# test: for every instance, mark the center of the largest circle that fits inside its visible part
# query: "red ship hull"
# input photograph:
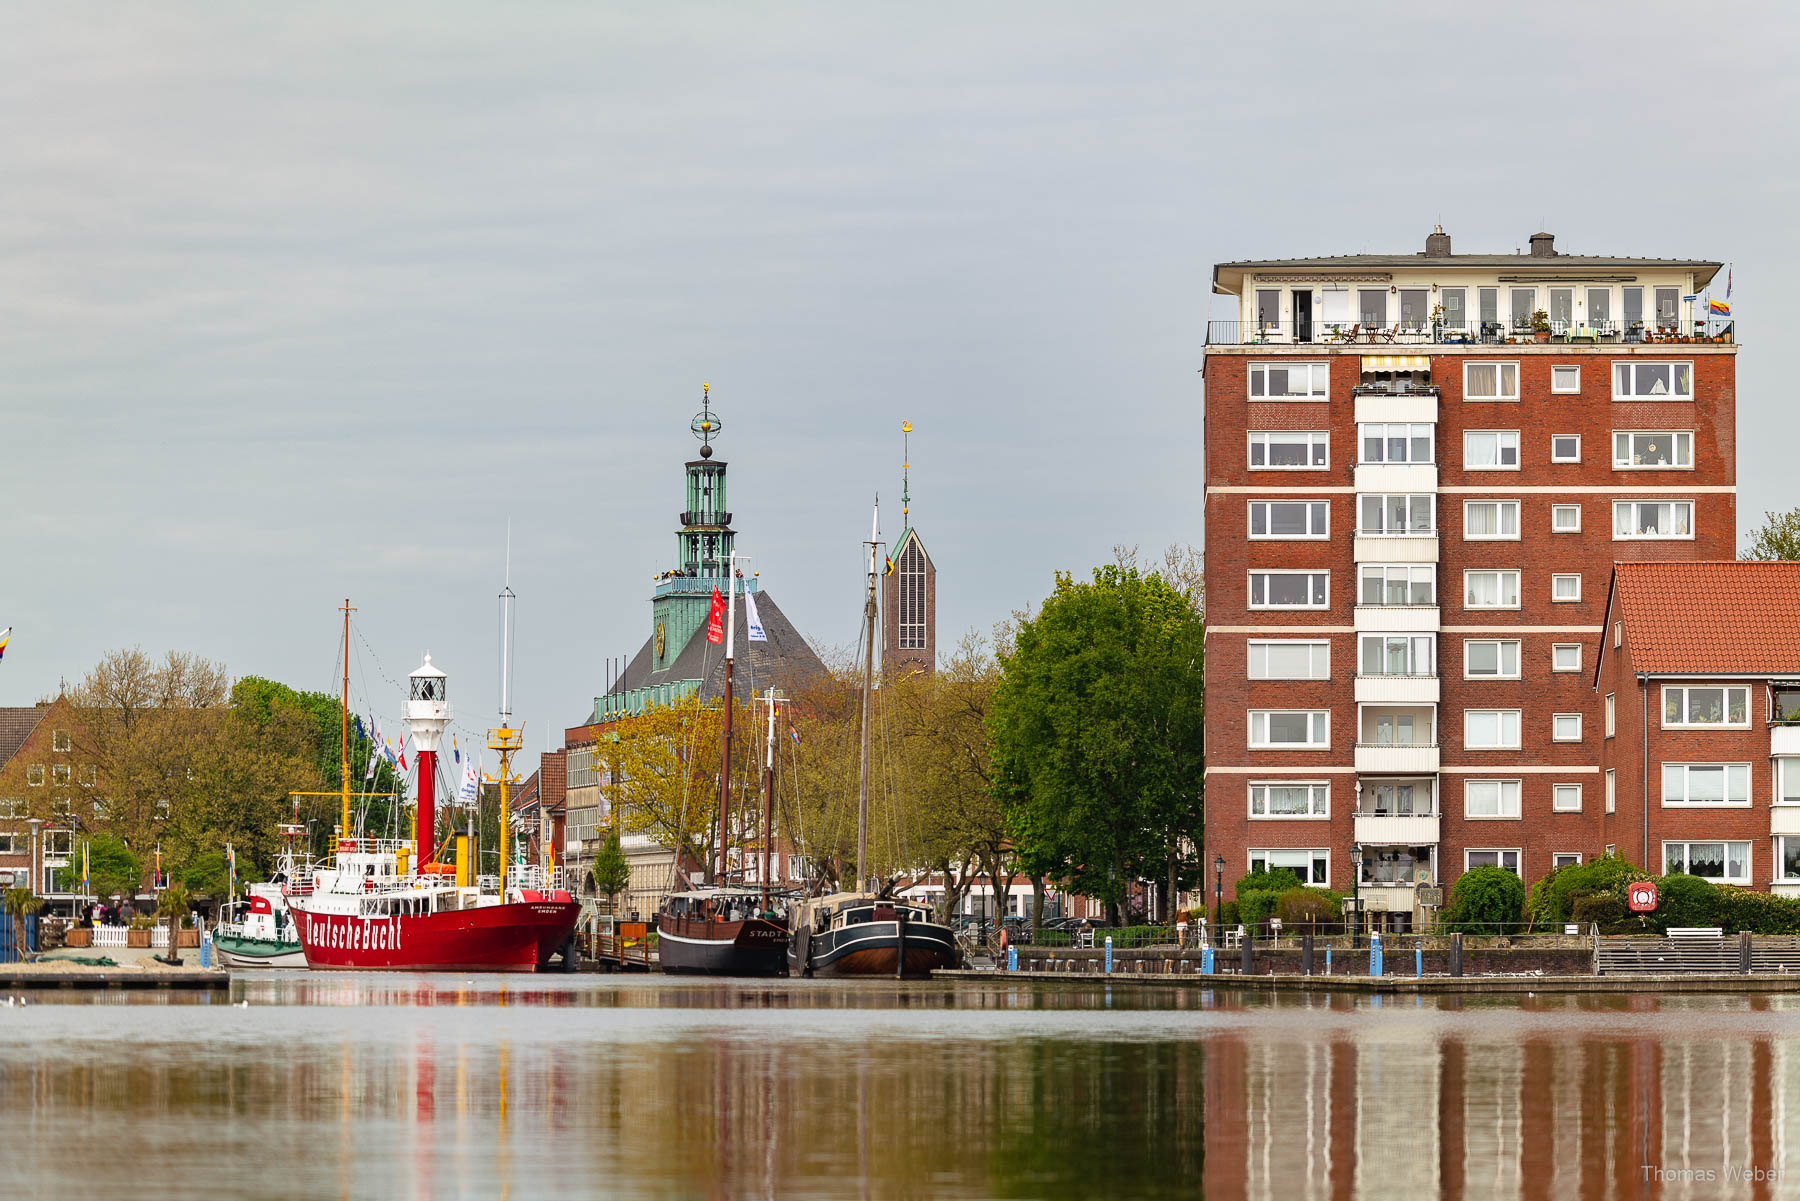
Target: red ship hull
(521, 936)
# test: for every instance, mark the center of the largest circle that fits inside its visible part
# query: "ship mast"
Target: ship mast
(507, 739)
(768, 823)
(725, 728)
(344, 743)
(862, 786)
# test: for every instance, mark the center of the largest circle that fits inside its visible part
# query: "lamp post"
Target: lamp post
(1218, 898)
(1355, 896)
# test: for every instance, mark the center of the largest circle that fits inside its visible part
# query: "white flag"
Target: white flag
(752, 620)
(471, 784)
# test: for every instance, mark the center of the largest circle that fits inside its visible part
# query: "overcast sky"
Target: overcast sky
(305, 302)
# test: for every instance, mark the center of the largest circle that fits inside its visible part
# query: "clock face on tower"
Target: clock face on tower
(662, 640)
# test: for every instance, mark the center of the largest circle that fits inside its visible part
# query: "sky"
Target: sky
(300, 303)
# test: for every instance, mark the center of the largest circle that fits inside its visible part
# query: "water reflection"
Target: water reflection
(399, 1086)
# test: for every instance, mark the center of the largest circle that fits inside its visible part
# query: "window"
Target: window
(1289, 589)
(1289, 729)
(1565, 727)
(1398, 584)
(1491, 729)
(1652, 448)
(1268, 308)
(1290, 798)
(1565, 656)
(1413, 310)
(59, 774)
(1371, 306)
(1397, 798)
(1490, 519)
(1618, 634)
(1599, 308)
(1565, 519)
(90, 775)
(1395, 442)
(1456, 308)
(1565, 798)
(1288, 519)
(1491, 450)
(1565, 380)
(1717, 706)
(1398, 513)
(1612, 795)
(1399, 655)
(1634, 306)
(1564, 588)
(1638, 380)
(1706, 784)
(14, 807)
(1491, 658)
(913, 619)
(1489, 299)
(1565, 448)
(1490, 590)
(10, 845)
(34, 775)
(1398, 727)
(1611, 725)
(1290, 660)
(1787, 859)
(1524, 303)
(1506, 858)
(1309, 866)
(1787, 782)
(1562, 308)
(1562, 859)
(1290, 450)
(1652, 519)
(1490, 381)
(1668, 308)
(1726, 862)
(59, 740)
(1289, 381)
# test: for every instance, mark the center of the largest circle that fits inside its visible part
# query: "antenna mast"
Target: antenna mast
(862, 787)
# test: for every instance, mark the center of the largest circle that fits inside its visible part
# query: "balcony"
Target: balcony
(690, 585)
(1784, 819)
(1397, 830)
(705, 517)
(1348, 335)
(1419, 759)
(1396, 477)
(1396, 619)
(1415, 546)
(1394, 689)
(1784, 740)
(1377, 403)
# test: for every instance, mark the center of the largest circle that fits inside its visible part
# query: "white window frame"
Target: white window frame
(1318, 800)
(1517, 592)
(1684, 689)
(1415, 657)
(1684, 799)
(1558, 511)
(1782, 767)
(61, 774)
(1687, 855)
(1634, 366)
(34, 775)
(1559, 794)
(1362, 442)
(1556, 458)
(1268, 854)
(1499, 449)
(1383, 498)
(1562, 577)
(1518, 654)
(1612, 794)
(1250, 589)
(1781, 875)
(59, 740)
(1557, 723)
(1555, 390)
(1500, 506)
(1500, 373)
(1517, 722)
(1312, 439)
(1313, 726)
(1618, 634)
(1310, 504)
(1674, 521)
(1560, 859)
(1409, 569)
(1565, 646)
(1677, 439)
(1518, 859)
(1612, 717)
(1318, 657)
(1259, 372)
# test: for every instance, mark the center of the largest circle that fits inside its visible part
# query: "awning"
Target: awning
(1396, 362)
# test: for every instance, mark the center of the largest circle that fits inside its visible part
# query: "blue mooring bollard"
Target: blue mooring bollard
(1109, 954)
(206, 949)
(1418, 961)
(1375, 955)
(1328, 961)
(1206, 961)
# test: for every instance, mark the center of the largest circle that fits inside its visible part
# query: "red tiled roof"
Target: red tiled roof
(1729, 618)
(16, 725)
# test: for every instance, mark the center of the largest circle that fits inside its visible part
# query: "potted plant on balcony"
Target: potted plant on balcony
(1540, 326)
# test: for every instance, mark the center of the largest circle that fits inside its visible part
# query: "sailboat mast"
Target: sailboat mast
(344, 742)
(768, 824)
(725, 727)
(862, 786)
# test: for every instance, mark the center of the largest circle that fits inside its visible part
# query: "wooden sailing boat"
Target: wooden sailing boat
(866, 932)
(722, 930)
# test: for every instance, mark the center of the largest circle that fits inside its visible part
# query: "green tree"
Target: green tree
(175, 904)
(1779, 537)
(612, 874)
(1097, 732)
(21, 903)
(1485, 900)
(111, 868)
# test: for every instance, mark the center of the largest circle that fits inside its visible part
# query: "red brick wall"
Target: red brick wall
(1538, 554)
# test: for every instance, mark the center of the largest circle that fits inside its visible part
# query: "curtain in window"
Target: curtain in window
(1483, 521)
(1484, 379)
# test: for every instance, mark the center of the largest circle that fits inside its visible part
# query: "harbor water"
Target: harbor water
(594, 1086)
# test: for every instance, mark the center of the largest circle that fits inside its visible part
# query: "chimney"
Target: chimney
(1437, 244)
(1543, 246)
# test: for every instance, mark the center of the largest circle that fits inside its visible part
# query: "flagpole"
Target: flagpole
(725, 725)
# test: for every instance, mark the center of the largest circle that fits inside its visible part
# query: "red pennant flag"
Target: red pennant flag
(715, 620)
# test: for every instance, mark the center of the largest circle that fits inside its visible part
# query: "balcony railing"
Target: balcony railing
(705, 517)
(1394, 388)
(688, 585)
(1397, 746)
(1474, 333)
(1406, 533)
(1425, 810)
(1397, 675)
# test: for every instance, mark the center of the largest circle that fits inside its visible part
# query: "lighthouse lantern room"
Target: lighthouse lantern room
(427, 713)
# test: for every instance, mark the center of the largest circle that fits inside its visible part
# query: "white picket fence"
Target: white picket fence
(114, 936)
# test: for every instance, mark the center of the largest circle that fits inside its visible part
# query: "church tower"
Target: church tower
(702, 546)
(909, 589)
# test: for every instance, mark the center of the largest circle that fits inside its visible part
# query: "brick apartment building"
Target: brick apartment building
(1699, 683)
(1414, 501)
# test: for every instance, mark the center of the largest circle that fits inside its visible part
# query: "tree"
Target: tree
(174, 904)
(612, 874)
(112, 868)
(21, 903)
(1097, 732)
(1485, 900)
(1779, 537)
(665, 771)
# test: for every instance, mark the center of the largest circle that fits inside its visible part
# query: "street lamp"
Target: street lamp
(1355, 897)
(1218, 898)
